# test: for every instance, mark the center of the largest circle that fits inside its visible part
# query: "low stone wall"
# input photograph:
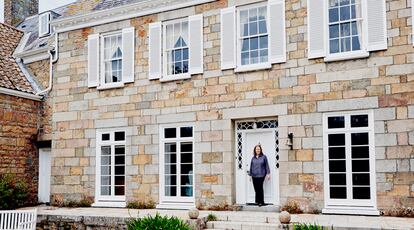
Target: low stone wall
(59, 222)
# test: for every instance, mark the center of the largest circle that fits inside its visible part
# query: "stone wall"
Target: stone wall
(18, 133)
(40, 72)
(297, 92)
(15, 11)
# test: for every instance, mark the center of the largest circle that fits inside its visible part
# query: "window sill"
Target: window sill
(369, 211)
(175, 77)
(346, 56)
(254, 67)
(111, 86)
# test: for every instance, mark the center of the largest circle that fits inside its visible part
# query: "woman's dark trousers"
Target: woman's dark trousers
(258, 188)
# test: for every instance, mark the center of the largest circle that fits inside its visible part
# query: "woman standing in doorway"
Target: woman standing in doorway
(259, 170)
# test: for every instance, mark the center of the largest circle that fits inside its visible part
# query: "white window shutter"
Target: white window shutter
(377, 25)
(44, 24)
(155, 44)
(316, 28)
(277, 32)
(228, 38)
(128, 54)
(93, 60)
(196, 43)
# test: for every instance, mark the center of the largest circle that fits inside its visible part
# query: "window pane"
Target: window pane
(360, 152)
(170, 191)
(359, 121)
(262, 27)
(254, 43)
(105, 137)
(105, 170)
(245, 44)
(120, 180)
(264, 56)
(334, 46)
(262, 13)
(356, 45)
(360, 179)
(119, 190)
(105, 160)
(186, 169)
(360, 166)
(186, 131)
(185, 54)
(345, 44)
(119, 150)
(263, 42)
(253, 28)
(120, 170)
(105, 150)
(245, 58)
(187, 158)
(187, 180)
(170, 180)
(337, 166)
(345, 29)
(345, 13)
(333, 15)
(333, 3)
(187, 147)
(171, 169)
(119, 136)
(254, 55)
(334, 31)
(344, 2)
(361, 193)
(336, 152)
(359, 138)
(338, 192)
(253, 15)
(186, 191)
(337, 179)
(170, 148)
(105, 180)
(170, 158)
(336, 139)
(119, 160)
(170, 133)
(336, 122)
(105, 190)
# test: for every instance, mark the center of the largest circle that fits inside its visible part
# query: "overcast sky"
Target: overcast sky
(45, 5)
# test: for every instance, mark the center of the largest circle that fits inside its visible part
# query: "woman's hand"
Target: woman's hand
(268, 177)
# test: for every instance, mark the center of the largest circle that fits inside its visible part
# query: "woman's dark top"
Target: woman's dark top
(259, 167)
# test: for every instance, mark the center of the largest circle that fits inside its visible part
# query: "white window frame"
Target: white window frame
(350, 54)
(111, 200)
(103, 85)
(349, 205)
(176, 201)
(49, 16)
(172, 77)
(258, 66)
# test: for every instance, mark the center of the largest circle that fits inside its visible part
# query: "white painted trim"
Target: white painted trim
(111, 85)
(253, 67)
(109, 204)
(341, 205)
(176, 202)
(45, 167)
(20, 94)
(41, 16)
(351, 210)
(346, 56)
(122, 13)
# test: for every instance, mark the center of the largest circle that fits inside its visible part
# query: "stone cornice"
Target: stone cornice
(121, 13)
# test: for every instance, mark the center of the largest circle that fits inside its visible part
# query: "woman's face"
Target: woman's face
(257, 150)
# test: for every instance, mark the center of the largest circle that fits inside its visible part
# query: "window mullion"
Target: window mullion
(348, 166)
(178, 169)
(112, 170)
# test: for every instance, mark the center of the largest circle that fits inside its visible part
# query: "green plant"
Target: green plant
(157, 222)
(292, 207)
(83, 203)
(307, 227)
(211, 217)
(400, 212)
(141, 204)
(14, 193)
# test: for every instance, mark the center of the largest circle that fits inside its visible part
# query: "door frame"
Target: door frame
(241, 196)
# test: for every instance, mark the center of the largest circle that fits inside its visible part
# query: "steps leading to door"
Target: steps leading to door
(266, 208)
(241, 225)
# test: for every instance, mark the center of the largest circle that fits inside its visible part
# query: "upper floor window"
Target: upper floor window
(346, 29)
(176, 51)
(117, 59)
(44, 24)
(254, 35)
(112, 58)
(176, 48)
(345, 26)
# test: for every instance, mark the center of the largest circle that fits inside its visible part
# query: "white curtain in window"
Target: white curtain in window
(358, 12)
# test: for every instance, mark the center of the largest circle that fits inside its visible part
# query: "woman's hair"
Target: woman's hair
(254, 150)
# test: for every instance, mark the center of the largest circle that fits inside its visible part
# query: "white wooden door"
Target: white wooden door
(266, 140)
(249, 134)
(44, 175)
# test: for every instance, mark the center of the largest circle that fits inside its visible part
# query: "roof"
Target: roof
(11, 76)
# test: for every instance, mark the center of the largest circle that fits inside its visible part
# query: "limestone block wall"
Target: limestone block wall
(297, 92)
(18, 132)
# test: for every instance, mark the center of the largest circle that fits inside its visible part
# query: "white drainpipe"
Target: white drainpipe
(52, 60)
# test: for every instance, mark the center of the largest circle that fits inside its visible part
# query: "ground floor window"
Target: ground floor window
(176, 162)
(349, 159)
(110, 166)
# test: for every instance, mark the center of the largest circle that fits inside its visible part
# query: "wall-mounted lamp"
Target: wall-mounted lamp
(289, 141)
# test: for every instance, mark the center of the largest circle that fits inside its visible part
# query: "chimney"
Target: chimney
(15, 11)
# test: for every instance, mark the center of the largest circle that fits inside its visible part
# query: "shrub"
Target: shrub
(157, 222)
(211, 217)
(14, 193)
(292, 207)
(400, 212)
(83, 203)
(307, 227)
(141, 204)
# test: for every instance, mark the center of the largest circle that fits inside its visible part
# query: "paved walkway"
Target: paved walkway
(372, 222)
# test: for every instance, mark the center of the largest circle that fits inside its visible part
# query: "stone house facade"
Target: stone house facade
(164, 100)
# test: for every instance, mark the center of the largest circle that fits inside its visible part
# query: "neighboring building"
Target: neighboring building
(164, 100)
(19, 113)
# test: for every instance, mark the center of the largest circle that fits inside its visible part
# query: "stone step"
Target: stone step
(242, 225)
(266, 208)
